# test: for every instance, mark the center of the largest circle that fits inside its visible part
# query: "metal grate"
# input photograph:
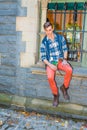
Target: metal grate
(75, 44)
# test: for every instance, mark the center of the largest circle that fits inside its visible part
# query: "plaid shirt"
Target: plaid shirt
(53, 50)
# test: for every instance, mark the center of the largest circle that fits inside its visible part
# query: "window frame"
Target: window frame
(54, 7)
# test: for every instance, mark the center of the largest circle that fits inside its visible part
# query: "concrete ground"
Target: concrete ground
(22, 120)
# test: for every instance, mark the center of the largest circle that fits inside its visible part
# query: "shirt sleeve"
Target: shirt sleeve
(42, 52)
(64, 45)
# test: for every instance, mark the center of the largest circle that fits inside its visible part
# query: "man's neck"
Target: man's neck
(51, 36)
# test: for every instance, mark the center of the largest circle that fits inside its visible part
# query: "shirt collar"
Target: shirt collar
(54, 37)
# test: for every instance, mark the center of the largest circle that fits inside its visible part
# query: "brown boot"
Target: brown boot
(65, 93)
(56, 100)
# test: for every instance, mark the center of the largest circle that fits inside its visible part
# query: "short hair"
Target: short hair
(47, 24)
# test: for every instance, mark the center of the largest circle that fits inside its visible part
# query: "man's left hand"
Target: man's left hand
(65, 62)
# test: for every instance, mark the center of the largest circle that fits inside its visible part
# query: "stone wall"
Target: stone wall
(10, 44)
(16, 49)
(8, 48)
(18, 44)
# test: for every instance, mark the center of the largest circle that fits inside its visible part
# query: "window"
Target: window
(69, 19)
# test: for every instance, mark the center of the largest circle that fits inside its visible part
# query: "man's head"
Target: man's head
(48, 28)
(46, 25)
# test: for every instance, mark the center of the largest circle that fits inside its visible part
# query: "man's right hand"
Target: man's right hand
(53, 67)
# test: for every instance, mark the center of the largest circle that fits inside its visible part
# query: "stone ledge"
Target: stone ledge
(78, 72)
(44, 106)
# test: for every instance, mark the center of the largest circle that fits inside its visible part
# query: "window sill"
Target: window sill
(78, 72)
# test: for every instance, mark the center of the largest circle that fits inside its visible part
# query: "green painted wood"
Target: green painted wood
(70, 6)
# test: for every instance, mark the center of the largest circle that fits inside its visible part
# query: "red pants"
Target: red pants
(51, 76)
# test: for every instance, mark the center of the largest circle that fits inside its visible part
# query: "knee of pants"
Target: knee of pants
(50, 78)
(70, 71)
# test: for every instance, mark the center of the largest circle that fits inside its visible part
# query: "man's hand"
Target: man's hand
(64, 62)
(53, 67)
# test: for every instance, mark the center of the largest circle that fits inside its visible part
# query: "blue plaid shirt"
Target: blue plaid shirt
(53, 50)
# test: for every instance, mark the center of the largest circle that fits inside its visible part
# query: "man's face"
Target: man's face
(49, 31)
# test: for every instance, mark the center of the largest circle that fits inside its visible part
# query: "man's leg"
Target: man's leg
(67, 78)
(52, 83)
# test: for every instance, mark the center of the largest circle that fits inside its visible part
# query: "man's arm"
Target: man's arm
(65, 58)
(65, 55)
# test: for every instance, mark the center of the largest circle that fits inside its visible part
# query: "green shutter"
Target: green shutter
(60, 6)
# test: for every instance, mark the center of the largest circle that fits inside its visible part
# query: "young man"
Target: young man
(54, 54)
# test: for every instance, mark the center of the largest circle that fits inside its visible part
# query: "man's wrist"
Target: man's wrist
(65, 58)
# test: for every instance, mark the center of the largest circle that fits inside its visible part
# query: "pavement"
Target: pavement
(22, 113)
(44, 106)
(22, 120)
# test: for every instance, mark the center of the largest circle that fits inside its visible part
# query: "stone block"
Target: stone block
(6, 89)
(79, 100)
(7, 39)
(11, 12)
(17, 100)
(5, 99)
(27, 59)
(7, 71)
(84, 82)
(8, 1)
(32, 76)
(7, 82)
(24, 3)
(8, 48)
(7, 6)
(28, 36)
(75, 82)
(21, 11)
(44, 92)
(7, 27)
(79, 92)
(23, 24)
(30, 92)
(7, 19)
(5, 32)
(8, 61)
(80, 72)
